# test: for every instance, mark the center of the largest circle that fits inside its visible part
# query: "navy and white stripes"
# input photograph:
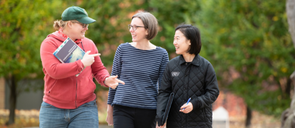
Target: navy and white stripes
(141, 70)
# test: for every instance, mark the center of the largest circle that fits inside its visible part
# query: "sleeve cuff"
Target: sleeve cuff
(80, 64)
(102, 83)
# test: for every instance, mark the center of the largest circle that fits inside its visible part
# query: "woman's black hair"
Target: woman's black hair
(192, 33)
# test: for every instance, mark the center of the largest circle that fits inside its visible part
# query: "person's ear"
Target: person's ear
(189, 42)
(69, 24)
(146, 32)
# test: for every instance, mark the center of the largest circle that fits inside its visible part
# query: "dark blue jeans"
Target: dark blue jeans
(128, 117)
(85, 116)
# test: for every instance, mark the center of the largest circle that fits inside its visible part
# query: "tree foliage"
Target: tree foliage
(170, 14)
(246, 41)
(23, 27)
(250, 39)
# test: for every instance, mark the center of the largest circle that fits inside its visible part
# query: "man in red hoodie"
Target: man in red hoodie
(69, 99)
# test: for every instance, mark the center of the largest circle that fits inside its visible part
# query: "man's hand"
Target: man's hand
(87, 59)
(113, 82)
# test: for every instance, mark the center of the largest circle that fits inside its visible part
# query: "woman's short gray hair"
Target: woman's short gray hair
(150, 23)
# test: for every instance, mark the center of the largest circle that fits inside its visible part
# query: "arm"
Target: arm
(52, 66)
(116, 70)
(164, 62)
(99, 71)
(102, 75)
(211, 88)
(110, 115)
(164, 92)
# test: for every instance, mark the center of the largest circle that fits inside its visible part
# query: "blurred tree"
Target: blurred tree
(251, 50)
(23, 27)
(246, 41)
(288, 117)
(170, 14)
(20, 57)
(290, 9)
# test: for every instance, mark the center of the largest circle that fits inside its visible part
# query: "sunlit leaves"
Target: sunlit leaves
(24, 27)
(252, 37)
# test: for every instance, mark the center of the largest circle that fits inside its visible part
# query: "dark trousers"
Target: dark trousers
(128, 117)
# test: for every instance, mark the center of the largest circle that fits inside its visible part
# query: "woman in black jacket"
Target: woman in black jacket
(188, 76)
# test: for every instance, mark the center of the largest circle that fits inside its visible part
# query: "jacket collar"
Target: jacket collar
(195, 62)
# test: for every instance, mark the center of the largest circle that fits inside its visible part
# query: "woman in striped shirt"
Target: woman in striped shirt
(140, 64)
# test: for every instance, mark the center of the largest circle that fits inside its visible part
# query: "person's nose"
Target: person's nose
(131, 29)
(174, 42)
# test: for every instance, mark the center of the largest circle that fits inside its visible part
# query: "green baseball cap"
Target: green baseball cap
(76, 13)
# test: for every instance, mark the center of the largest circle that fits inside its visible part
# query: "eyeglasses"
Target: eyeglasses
(134, 27)
(83, 25)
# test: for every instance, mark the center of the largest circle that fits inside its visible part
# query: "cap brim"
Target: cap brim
(86, 20)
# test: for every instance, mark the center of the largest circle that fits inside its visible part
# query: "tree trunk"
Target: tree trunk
(290, 9)
(248, 117)
(288, 116)
(288, 88)
(12, 99)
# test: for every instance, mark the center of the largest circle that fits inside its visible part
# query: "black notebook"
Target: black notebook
(167, 109)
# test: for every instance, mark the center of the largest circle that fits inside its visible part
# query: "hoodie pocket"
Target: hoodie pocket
(50, 88)
(85, 88)
(62, 90)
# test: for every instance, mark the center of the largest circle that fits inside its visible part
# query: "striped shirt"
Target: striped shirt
(141, 70)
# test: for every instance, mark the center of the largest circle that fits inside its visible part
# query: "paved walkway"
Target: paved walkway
(105, 126)
(100, 126)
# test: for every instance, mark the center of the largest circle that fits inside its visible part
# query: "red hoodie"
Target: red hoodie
(62, 88)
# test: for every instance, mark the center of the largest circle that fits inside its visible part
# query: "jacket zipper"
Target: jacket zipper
(187, 88)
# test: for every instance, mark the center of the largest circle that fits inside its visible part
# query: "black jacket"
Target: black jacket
(196, 80)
